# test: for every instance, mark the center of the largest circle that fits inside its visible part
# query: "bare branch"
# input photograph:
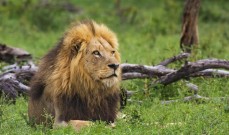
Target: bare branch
(144, 69)
(10, 54)
(134, 75)
(192, 87)
(17, 69)
(204, 73)
(185, 99)
(11, 87)
(15, 78)
(191, 68)
(134, 71)
(211, 73)
(194, 97)
(175, 58)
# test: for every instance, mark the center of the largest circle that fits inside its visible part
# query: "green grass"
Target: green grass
(150, 38)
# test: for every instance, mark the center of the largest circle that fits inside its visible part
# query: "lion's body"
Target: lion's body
(77, 80)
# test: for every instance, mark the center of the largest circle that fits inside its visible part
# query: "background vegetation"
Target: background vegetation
(148, 32)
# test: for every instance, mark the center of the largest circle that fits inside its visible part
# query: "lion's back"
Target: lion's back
(37, 104)
(45, 69)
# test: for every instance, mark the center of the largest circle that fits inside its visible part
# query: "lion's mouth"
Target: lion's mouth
(113, 75)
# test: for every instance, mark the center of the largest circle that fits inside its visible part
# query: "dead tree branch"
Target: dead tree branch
(134, 75)
(175, 58)
(15, 78)
(204, 73)
(12, 54)
(195, 97)
(211, 73)
(201, 68)
(144, 69)
(186, 99)
(191, 68)
(192, 87)
(11, 87)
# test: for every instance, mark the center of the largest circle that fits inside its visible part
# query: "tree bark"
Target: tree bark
(191, 68)
(12, 54)
(189, 34)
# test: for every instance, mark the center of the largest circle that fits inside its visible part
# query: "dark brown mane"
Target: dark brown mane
(106, 111)
(37, 83)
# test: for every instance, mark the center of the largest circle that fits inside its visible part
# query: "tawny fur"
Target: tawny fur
(75, 80)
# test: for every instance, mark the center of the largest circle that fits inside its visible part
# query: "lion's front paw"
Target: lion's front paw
(60, 124)
(79, 124)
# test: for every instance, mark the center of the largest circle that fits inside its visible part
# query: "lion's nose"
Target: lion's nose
(114, 66)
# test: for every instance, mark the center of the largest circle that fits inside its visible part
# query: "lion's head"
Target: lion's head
(88, 61)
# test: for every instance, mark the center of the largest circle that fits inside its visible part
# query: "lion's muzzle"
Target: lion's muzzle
(113, 66)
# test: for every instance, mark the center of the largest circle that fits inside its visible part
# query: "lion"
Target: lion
(78, 81)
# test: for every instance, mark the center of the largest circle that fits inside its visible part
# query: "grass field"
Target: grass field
(147, 38)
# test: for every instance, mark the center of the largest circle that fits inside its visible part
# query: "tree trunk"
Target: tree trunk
(189, 34)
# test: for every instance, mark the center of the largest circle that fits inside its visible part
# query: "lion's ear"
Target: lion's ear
(75, 49)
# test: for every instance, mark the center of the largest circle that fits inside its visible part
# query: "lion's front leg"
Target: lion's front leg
(60, 122)
(76, 124)
(79, 124)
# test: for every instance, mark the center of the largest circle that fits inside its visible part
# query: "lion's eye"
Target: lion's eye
(112, 52)
(96, 53)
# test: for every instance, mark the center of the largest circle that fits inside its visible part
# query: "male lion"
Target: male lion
(78, 80)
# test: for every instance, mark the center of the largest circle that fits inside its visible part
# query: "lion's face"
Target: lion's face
(101, 62)
(93, 58)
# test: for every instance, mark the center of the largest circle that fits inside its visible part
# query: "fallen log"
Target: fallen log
(193, 67)
(194, 97)
(11, 86)
(15, 78)
(13, 54)
(19, 76)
